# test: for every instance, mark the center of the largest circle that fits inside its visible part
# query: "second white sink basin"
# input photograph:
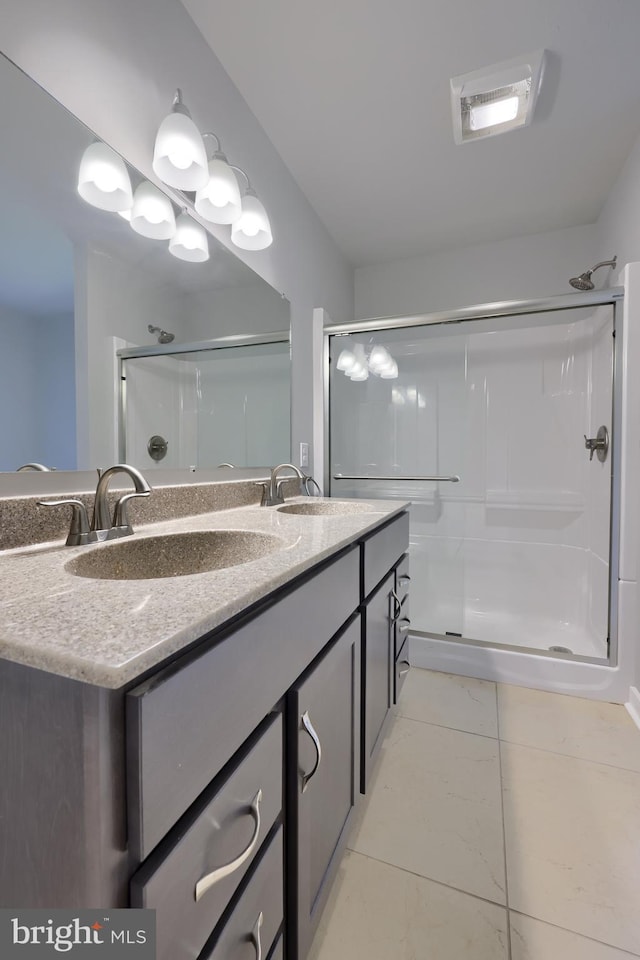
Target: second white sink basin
(326, 508)
(173, 555)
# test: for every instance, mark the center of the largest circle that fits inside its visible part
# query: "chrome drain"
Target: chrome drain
(557, 649)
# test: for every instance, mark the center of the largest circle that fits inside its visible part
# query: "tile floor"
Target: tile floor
(502, 824)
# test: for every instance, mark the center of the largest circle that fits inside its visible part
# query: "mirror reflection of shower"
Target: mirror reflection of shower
(163, 335)
(584, 281)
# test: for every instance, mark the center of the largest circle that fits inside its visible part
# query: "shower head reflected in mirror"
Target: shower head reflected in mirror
(584, 281)
(163, 336)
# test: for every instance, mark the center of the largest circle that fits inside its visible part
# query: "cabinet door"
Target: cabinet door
(325, 742)
(378, 662)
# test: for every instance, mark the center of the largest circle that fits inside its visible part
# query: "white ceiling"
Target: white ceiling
(354, 94)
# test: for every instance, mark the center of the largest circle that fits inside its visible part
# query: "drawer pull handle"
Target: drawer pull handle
(404, 579)
(397, 605)
(404, 625)
(306, 722)
(212, 878)
(255, 936)
(407, 667)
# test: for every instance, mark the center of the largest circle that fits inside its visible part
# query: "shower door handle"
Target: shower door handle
(454, 479)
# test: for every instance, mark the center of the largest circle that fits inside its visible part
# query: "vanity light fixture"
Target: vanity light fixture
(252, 230)
(496, 99)
(219, 199)
(103, 179)
(152, 213)
(179, 157)
(356, 365)
(189, 241)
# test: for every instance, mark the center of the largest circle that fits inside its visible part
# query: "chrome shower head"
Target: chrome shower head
(584, 281)
(163, 336)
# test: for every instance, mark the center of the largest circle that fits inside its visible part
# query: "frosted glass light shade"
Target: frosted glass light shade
(189, 242)
(252, 230)
(390, 372)
(379, 358)
(219, 200)
(346, 361)
(179, 156)
(103, 179)
(152, 213)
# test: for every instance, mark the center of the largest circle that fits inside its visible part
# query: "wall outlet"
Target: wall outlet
(304, 454)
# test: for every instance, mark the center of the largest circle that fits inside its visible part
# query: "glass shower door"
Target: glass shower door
(517, 551)
(404, 437)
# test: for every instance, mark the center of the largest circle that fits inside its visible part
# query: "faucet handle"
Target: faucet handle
(79, 529)
(121, 520)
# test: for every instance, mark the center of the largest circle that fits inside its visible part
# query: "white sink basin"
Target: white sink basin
(173, 555)
(326, 508)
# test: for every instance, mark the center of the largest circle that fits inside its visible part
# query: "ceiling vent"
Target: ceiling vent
(497, 99)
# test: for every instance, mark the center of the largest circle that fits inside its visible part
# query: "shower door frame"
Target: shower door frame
(612, 296)
(174, 349)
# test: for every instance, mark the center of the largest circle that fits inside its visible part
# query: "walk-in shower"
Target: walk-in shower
(203, 404)
(494, 429)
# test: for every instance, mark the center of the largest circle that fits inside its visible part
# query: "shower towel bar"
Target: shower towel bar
(343, 476)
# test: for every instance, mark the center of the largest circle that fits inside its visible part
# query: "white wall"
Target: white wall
(37, 390)
(116, 65)
(524, 267)
(232, 310)
(619, 222)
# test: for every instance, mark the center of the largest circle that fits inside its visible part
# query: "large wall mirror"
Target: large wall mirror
(77, 285)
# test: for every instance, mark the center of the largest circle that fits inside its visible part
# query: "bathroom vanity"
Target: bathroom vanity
(199, 744)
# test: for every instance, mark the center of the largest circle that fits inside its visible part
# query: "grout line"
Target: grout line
(445, 726)
(504, 829)
(420, 876)
(585, 936)
(569, 756)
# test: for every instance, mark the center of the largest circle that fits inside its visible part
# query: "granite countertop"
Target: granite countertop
(108, 632)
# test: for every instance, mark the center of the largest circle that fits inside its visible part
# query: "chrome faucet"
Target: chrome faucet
(272, 488)
(34, 466)
(101, 526)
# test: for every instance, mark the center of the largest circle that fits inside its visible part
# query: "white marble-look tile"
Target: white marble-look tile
(573, 843)
(533, 940)
(461, 703)
(588, 729)
(434, 808)
(378, 912)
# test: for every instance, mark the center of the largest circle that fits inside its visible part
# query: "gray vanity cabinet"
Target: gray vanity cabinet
(324, 716)
(402, 624)
(377, 658)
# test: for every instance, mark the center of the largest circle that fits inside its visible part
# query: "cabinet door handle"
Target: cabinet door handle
(403, 625)
(407, 667)
(404, 579)
(255, 936)
(397, 605)
(306, 722)
(219, 873)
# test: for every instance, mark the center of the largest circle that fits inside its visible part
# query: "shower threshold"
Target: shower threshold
(589, 656)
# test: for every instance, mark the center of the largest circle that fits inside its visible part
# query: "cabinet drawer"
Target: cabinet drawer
(226, 833)
(256, 919)
(187, 721)
(278, 950)
(382, 550)
(402, 667)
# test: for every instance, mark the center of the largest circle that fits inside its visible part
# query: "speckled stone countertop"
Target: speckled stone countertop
(108, 632)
